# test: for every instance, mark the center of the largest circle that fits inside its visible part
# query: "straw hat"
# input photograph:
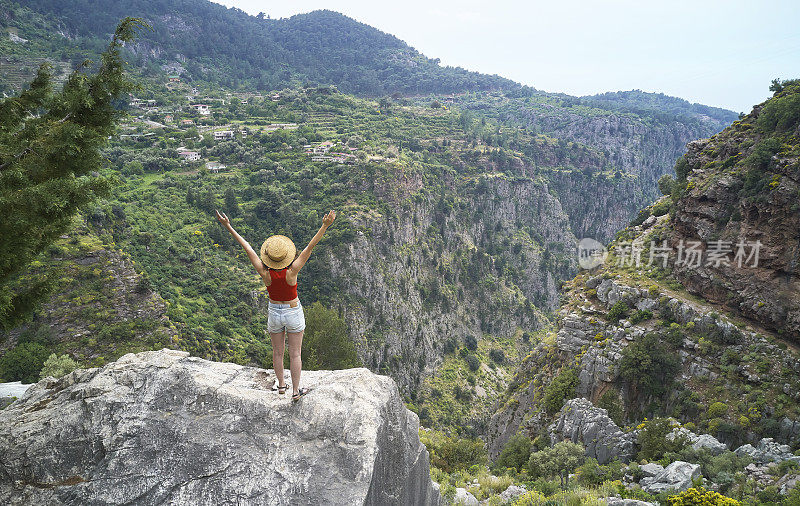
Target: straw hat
(278, 252)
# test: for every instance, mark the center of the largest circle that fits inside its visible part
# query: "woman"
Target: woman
(278, 267)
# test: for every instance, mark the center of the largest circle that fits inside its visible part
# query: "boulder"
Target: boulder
(698, 442)
(580, 421)
(618, 501)
(676, 477)
(465, 498)
(161, 427)
(512, 492)
(767, 450)
(651, 469)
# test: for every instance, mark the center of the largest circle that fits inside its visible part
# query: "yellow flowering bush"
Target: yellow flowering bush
(701, 497)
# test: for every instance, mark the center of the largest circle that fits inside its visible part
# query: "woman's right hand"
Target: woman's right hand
(222, 218)
(328, 219)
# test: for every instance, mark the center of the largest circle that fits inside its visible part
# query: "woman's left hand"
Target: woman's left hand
(328, 219)
(223, 218)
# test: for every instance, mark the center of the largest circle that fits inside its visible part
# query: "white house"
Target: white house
(189, 156)
(223, 134)
(203, 109)
(215, 166)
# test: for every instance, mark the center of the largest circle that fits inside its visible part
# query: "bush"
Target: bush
(640, 316)
(473, 363)
(561, 460)
(452, 454)
(666, 183)
(497, 355)
(593, 474)
(618, 310)
(515, 453)
(653, 440)
(649, 365)
(23, 362)
(701, 497)
(717, 409)
(560, 389)
(58, 366)
(611, 402)
(471, 342)
(326, 343)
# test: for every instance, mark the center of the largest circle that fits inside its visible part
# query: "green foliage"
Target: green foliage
(618, 311)
(666, 184)
(682, 168)
(561, 460)
(653, 443)
(782, 112)
(497, 355)
(515, 453)
(452, 453)
(23, 362)
(661, 207)
(58, 366)
(560, 389)
(701, 497)
(611, 402)
(717, 409)
(649, 364)
(640, 316)
(593, 474)
(49, 144)
(326, 343)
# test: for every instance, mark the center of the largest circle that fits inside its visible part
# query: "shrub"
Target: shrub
(515, 453)
(561, 388)
(58, 366)
(611, 402)
(661, 207)
(640, 316)
(326, 343)
(665, 184)
(592, 474)
(473, 363)
(561, 460)
(497, 355)
(471, 342)
(23, 362)
(649, 365)
(653, 440)
(618, 310)
(452, 454)
(701, 497)
(717, 409)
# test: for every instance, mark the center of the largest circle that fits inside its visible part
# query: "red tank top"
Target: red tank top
(279, 289)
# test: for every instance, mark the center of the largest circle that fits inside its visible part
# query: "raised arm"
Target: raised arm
(251, 253)
(301, 259)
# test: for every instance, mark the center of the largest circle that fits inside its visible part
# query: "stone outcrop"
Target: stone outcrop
(11, 391)
(767, 450)
(702, 441)
(164, 428)
(581, 422)
(676, 477)
(618, 501)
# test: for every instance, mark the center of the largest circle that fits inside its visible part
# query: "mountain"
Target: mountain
(713, 343)
(232, 48)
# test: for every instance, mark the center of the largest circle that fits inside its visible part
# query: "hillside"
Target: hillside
(660, 337)
(208, 42)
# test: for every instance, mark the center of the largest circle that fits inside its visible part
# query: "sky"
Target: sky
(720, 53)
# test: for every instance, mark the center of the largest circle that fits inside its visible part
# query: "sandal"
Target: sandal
(280, 389)
(300, 393)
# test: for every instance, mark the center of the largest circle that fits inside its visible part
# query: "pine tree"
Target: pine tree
(50, 145)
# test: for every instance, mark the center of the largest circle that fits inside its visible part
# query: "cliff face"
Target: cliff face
(743, 187)
(634, 337)
(433, 272)
(163, 427)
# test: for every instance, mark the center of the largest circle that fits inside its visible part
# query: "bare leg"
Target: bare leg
(277, 355)
(295, 363)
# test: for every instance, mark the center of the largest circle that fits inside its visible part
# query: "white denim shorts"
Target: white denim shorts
(284, 317)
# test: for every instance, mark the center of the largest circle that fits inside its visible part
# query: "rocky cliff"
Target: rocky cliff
(161, 427)
(634, 337)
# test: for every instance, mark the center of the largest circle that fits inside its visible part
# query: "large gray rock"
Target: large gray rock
(618, 501)
(767, 450)
(580, 421)
(676, 477)
(464, 497)
(702, 441)
(161, 427)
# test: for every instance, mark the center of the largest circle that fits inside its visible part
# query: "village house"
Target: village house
(223, 134)
(189, 156)
(215, 166)
(169, 118)
(187, 122)
(174, 79)
(202, 109)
